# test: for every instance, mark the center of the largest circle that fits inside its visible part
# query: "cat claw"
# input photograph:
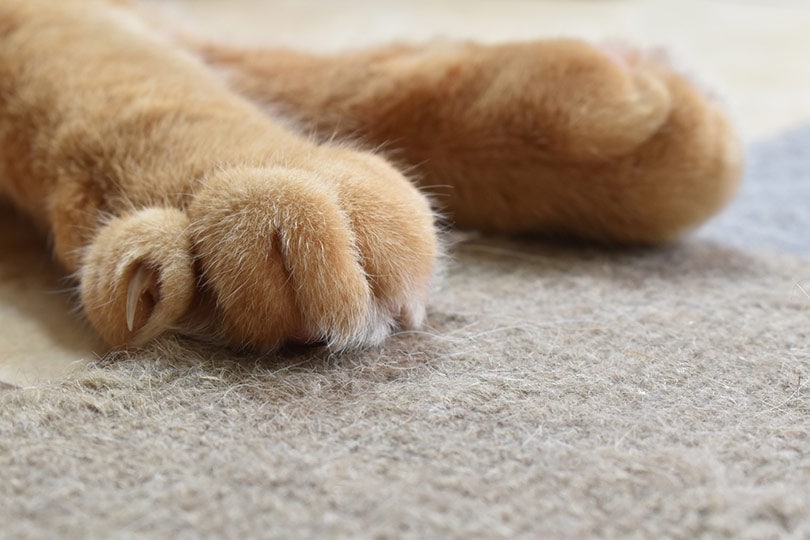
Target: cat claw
(138, 285)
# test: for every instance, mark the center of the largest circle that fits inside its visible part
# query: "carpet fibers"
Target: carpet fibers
(557, 391)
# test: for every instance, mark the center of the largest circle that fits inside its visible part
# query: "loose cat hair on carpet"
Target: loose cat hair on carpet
(556, 392)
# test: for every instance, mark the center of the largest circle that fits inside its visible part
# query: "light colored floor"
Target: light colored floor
(752, 52)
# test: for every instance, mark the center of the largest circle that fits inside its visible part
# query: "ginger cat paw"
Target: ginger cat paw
(313, 255)
(182, 207)
(340, 254)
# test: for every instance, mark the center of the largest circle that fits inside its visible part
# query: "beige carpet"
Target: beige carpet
(557, 392)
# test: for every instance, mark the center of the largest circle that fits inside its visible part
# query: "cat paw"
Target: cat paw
(340, 256)
(267, 256)
(610, 143)
(339, 251)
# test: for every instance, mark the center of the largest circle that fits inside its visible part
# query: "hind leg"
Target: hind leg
(550, 137)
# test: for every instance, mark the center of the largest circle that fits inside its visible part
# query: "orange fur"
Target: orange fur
(550, 137)
(180, 204)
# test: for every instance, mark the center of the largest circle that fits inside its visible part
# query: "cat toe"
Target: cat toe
(279, 256)
(613, 102)
(293, 256)
(137, 279)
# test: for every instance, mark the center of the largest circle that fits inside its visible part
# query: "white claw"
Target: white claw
(137, 285)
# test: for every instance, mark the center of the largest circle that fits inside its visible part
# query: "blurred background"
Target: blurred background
(752, 53)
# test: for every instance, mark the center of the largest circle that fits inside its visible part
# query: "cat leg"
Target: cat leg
(550, 137)
(180, 206)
